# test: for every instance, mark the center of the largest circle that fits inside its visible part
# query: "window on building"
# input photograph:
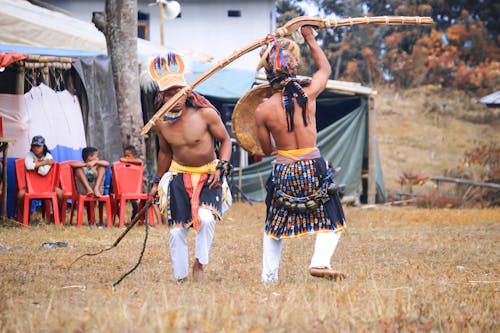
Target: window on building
(143, 25)
(234, 13)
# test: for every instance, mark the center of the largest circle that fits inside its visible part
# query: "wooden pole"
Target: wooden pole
(162, 40)
(372, 141)
(4, 183)
(20, 80)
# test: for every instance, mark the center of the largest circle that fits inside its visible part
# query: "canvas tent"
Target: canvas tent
(33, 92)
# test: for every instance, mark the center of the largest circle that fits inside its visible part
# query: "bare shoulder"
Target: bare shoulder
(209, 114)
(262, 108)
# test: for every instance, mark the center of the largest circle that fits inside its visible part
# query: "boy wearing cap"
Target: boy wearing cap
(192, 177)
(40, 160)
(39, 157)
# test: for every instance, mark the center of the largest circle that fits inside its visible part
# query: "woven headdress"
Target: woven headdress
(169, 72)
(281, 75)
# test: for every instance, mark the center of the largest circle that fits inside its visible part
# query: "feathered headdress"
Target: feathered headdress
(167, 72)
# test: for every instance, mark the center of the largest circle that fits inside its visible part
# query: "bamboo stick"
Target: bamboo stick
(285, 31)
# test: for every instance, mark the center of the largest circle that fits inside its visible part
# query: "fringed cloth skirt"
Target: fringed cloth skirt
(183, 190)
(302, 199)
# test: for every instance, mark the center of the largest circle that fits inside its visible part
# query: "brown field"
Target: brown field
(410, 270)
(414, 270)
(417, 134)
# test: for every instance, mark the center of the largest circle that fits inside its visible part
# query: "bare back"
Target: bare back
(272, 115)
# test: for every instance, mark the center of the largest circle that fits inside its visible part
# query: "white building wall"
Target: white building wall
(204, 25)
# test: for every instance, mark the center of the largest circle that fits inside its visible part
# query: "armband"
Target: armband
(225, 168)
(155, 179)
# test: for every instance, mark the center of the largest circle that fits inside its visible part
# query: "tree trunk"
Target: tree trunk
(121, 40)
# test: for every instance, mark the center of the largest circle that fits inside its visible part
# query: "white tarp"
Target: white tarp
(15, 122)
(57, 116)
(25, 24)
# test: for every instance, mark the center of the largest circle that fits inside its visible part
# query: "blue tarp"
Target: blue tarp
(45, 51)
(226, 84)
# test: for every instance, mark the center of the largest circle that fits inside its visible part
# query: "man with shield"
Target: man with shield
(302, 193)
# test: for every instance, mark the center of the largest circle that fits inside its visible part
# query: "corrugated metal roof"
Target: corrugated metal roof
(336, 86)
(493, 98)
(232, 83)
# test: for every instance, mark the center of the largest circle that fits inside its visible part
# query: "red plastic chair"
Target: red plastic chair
(127, 185)
(39, 187)
(21, 183)
(68, 186)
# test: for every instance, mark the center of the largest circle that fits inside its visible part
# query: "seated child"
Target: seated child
(89, 174)
(130, 155)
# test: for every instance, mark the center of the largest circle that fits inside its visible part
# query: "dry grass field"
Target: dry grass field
(410, 270)
(427, 130)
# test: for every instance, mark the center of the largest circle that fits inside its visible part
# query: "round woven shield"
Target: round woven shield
(243, 119)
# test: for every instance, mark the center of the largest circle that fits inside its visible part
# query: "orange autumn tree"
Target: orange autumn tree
(460, 51)
(459, 57)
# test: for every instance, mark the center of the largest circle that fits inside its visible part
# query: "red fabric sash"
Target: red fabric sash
(194, 196)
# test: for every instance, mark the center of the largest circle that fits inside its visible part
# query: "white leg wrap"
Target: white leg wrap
(271, 257)
(205, 235)
(179, 252)
(325, 245)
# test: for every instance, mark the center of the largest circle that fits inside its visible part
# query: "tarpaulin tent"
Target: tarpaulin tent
(48, 37)
(34, 101)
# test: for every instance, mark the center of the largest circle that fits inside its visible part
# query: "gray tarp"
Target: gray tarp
(343, 143)
(100, 115)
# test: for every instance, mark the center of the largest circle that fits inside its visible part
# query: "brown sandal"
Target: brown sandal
(327, 273)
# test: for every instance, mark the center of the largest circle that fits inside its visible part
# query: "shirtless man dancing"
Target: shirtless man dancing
(189, 177)
(301, 191)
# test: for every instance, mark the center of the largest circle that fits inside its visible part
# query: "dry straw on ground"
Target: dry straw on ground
(408, 270)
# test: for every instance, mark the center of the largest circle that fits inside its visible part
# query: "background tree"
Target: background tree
(119, 25)
(460, 51)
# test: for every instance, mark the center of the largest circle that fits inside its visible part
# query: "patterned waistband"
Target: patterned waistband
(207, 168)
(294, 155)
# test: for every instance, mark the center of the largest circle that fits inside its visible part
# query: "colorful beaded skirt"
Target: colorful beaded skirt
(302, 199)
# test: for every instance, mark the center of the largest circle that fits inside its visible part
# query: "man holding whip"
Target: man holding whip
(189, 178)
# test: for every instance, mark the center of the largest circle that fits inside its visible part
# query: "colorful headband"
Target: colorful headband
(159, 70)
(272, 48)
